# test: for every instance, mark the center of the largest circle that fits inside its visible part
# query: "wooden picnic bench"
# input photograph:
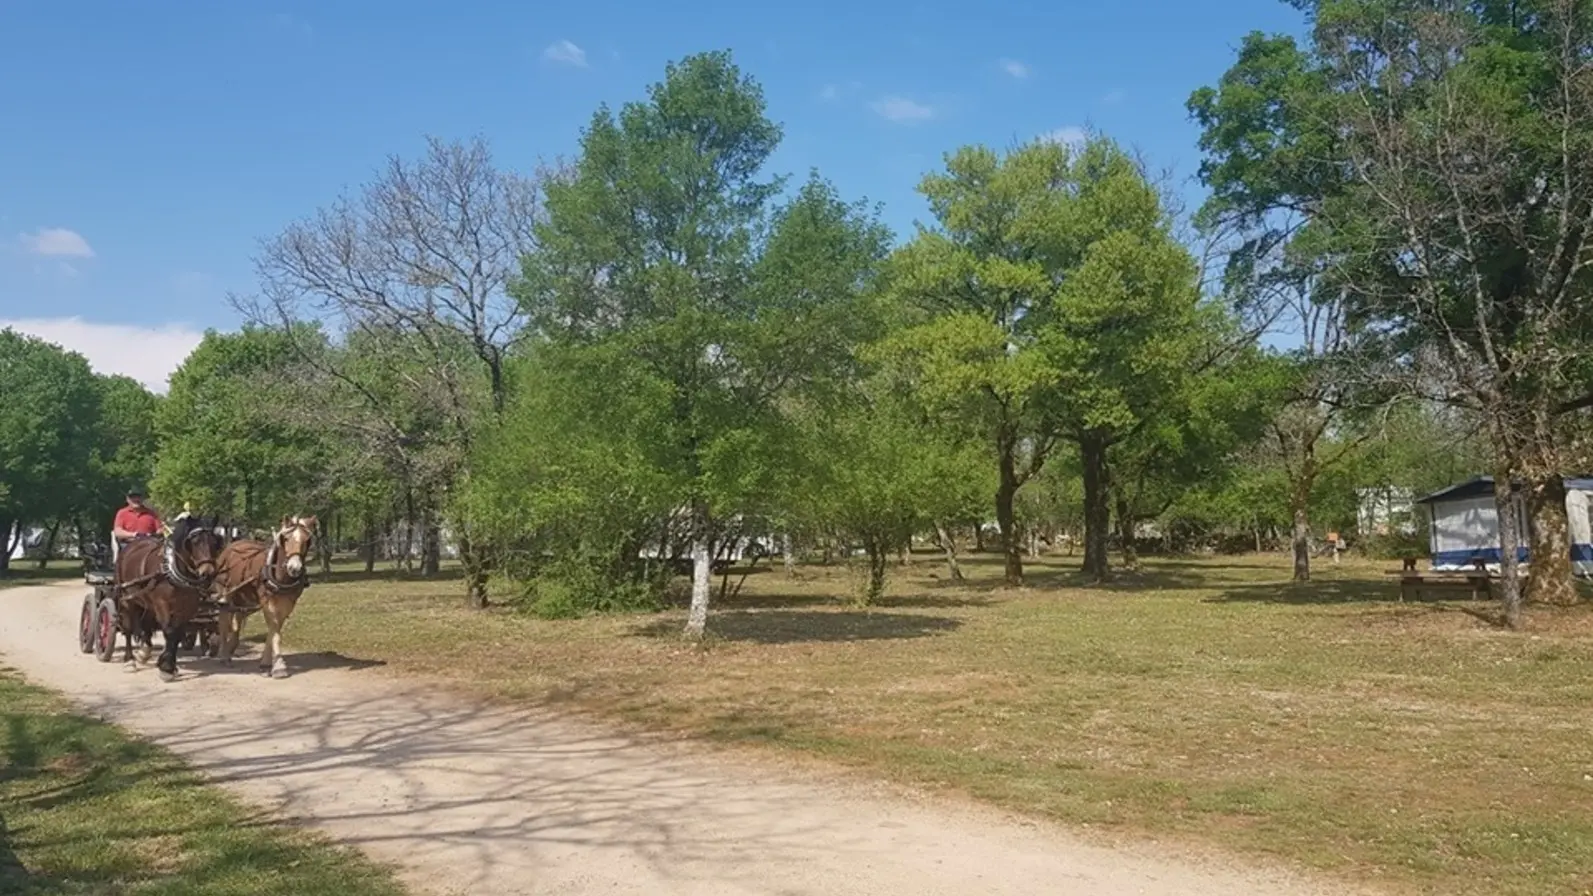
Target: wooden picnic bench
(1478, 581)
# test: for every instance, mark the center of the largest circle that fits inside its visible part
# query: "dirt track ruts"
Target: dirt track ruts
(469, 798)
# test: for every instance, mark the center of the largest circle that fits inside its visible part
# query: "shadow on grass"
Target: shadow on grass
(794, 627)
(794, 601)
(382, 574)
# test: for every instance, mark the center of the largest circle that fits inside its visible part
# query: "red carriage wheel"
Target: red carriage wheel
(105, 630)
(85, 624)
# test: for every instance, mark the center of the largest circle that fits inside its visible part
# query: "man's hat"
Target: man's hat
(136, 490)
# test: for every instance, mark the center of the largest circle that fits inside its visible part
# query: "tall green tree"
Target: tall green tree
(1434, 155)
(1056, 304)
(123, 454)
(47, 428)
(652, 253)
(226, 444)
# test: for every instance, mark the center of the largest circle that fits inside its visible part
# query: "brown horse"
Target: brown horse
(266, 576)
(162, 582)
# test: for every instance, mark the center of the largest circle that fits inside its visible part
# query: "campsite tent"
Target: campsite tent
(1465, 525)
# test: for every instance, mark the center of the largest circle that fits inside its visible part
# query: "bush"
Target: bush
(571, 587)
(1393, 546)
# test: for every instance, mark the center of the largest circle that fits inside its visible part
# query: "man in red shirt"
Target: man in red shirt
(132, 521)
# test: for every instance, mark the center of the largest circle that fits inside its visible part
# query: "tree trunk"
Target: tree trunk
(369, 547)
(7, 544)
(948, 543)
(49, 545)
(878, 563)
(702, 573)
(1549, 555)
(1006, 493)
(327, 543)
(906, 553)
(1097, 508)
(473, 558)
(1125, 534)
(788, 553)
(431, 547)
(1505, 501)
(979, 538)
(1299, 508)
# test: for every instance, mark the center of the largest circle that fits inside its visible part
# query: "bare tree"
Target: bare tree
(412, 272)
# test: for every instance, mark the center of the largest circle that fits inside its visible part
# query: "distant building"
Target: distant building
(1385, 510)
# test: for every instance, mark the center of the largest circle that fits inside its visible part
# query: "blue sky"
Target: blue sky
(149, 146)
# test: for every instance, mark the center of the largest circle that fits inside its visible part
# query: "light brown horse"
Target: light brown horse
(162, 581)
(265, 576)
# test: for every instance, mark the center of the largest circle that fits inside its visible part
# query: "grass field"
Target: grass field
(1414, 744)
(27, 572)
(85, 810)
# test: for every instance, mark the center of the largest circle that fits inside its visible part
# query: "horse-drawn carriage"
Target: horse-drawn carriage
(105, 614)
(194, 587)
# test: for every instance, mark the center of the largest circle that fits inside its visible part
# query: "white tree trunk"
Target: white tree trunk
(788, 551)
(702, 574)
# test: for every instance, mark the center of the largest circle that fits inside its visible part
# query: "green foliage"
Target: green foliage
(48, 425)
(1053, 304)
(227, 444)
(691, 305)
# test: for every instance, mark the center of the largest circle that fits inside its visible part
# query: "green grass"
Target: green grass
(27, 572)
(86, 810)
(1412, 744)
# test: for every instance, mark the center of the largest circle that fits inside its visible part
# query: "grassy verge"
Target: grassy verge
(1410, 743)
(85, 810)
(26, 572)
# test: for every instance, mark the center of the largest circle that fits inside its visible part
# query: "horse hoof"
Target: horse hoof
(168, 677)
(279, 673)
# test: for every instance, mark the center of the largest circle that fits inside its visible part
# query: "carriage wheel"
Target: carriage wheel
(85, 624)
(105, 630)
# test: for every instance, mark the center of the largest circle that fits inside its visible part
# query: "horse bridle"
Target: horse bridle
(171, 569)
(268, 577)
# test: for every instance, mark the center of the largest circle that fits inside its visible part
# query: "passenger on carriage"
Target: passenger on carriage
(133, 521)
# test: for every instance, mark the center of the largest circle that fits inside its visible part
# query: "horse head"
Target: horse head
(293, 541)
(199, 542)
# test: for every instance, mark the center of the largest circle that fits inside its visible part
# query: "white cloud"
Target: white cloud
(1068, 136)
(829, 92)
(565, 53)
(902, 110)
(147, 354)
(1113, 97)
(1015, 68)
(57, 241)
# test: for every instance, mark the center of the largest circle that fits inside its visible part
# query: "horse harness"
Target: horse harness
(268, 578)
(169, 570)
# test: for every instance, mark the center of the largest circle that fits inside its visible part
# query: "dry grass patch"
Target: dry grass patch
(1328, 724)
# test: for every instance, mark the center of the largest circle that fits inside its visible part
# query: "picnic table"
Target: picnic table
(1478, 580)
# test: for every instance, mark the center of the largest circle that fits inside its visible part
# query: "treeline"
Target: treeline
(585, 379)
(71, 443)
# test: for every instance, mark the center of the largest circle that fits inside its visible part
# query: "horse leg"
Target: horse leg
(275, 609)
(167, 664)
(229, 626)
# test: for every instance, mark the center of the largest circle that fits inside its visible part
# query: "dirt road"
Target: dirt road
(469, 799)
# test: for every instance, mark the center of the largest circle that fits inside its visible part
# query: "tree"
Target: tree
(47, 422)
(227, 441)
(414, 270)
(124, 451)
(1435, 153)
(650, 255)
(1057, 305)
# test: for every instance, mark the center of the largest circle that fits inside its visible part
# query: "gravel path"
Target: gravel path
(466, 798)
